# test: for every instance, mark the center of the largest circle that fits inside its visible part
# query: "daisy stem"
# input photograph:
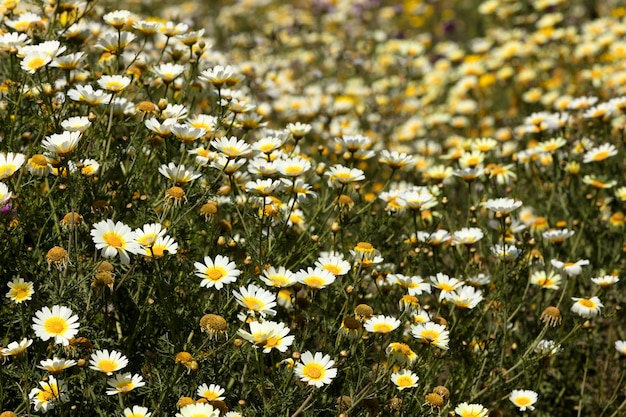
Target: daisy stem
(583, 382)
(304, 404)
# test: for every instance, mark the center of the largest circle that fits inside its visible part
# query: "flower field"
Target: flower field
(312, 208)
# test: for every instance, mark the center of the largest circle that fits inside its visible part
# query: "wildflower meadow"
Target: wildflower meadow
(312, 208)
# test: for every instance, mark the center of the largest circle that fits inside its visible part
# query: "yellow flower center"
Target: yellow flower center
(444, 286)
(253, 303)
(279, 280)
(21, 292)
(45, 396)
(272, 342)
(56, 325)
(125, 386)
(315, 281)
(403, 349)
(522, 401)
(215, 273)
(107, 365)
(586, 303)
(293, 170)
(404, 381)
(113, 239)
(382, 328)
(36, 63)
(6, 170)
(333, 269)
(599, 156)
(313, 371)
(147, 240)
(429, 335)
(210, 395)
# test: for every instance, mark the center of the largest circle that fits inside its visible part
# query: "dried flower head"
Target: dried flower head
(58, 257)
(214, 325)
(71, 220)
(363, 312)
(175, 196)
(551, 316)
(434, 400)
(187, 360)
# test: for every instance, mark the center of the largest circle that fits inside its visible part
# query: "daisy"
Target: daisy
(114, 83)
(505, 252)
(471, 410)
(605, 281)
(34, 61)
(315, 369)
(220, 75)
(416, 199)
(136, 411)
(620, 346)
(174, 112)
(316, 278)
(436, 238)
(62, 144)
(115, 42)
(51, 392)
(280, 278)
(557, 235)
(256, 300)
(216, 273)
(401, 353)
(404, 379)
(187, 134)
(178, 173)
(415, 285)
(38, 165)
(147, 235)
(395, 159)
(168, 72)
(10, 163)
(115, 238)
(570, 268)
(353, 143)
(467, 236)
(502, 205)
(268, 144)
(124, 383)
(16, 348)
(107, 362)
(86, 94)
(162, 245)
(58, 323)
(339, 176)
(20, 290)
(293, 167)
(198, 410)
(264, 187)
(89, 167)
(118, 18)
(268, 335)
(163, 128)
(431, 334)
(587, 307)
(382, 324)
(56, 365)
(465, 297)
(444, 283)
(232, 147)
(523, 399)
(365, 254)
(211, 392)
(333, 263)
(551, 281)
(600, 153)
